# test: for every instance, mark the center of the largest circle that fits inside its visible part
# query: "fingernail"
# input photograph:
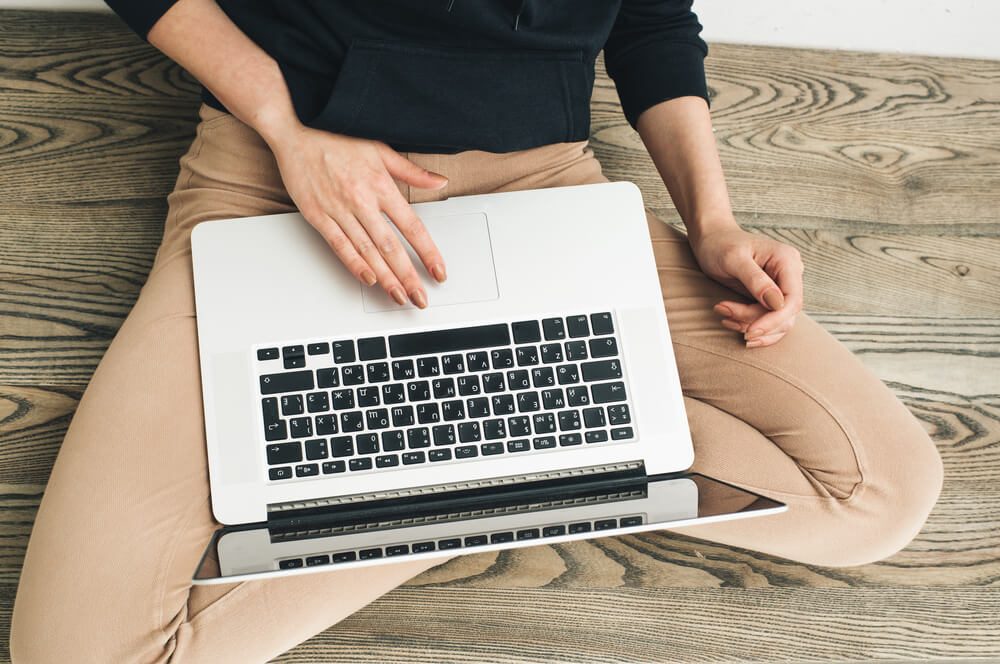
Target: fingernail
(724, 310)
(754, 333)
(419, 298)
(438, 271)
(754, 344)
(398, 295)
(774, 299)
(369, 277)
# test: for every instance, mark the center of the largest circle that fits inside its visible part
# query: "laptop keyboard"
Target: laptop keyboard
(384, 402)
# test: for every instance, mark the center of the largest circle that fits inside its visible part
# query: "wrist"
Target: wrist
(275, 123)
(701, 226)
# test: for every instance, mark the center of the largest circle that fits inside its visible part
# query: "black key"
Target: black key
(503, 404)
(567, 374)
(402, 416)
(453, 364)
(410, 458)
(392, 441)
(418, 390)
(444, 434)
(601, 370)
(275, 431)
(344, 557)
(576, 350)
(601, 323)
(343, 351)
(581, 527)
(468, 432)
(342, 446)
(451, 543)
(526, 332)
(569, 420)
(444, 388)
(493, 429)
(502, 358)
(322, 559)
(596, 436)
(478, 361)
(378, 372)
(267, 354)
(607, 392)
(621, 433)
(318, 402)
(417, 438)
(553, 328)
(606, 347)
(605, 524)
(352, 374)
(423, 547)
(466, 451)
(518, 445)
(283, 473)
(293, 356)
(528, 534)
(543, 377)
(333, 467)
(427, 413)
(306, 470)
(544, 422)
(387, 461)
(552, 353)
(577, 326)
(393, 393)
(478, 407)
(527, 402)
(553, 399)
(577, 396)
(428, 366)
(544, 442)
(518, 379)
(366, 443)
(519, 426)
(321, 348)
(342, 399)
(301, 427)
(367, 396)
(293, 381)
(443, 454)
(629, 521)
(593, 417)
(567, 439)
(403, 370)
(553, 531)
(269, 407)
(476, 540)
(493, 382)
(361, 463)
(368, 554)
(377, 418)
(502, 538)
(468, 385)
(527, 356)
(291, 405)
(328, 377)
(316, 449)
(291, 563)
(397, 550)
(619, 414)
(449, 341)
(490, 449)
(371, 348)
(453, 410)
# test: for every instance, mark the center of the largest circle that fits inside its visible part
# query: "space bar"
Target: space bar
(443, 341)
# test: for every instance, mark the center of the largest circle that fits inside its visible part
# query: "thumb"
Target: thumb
(759, 284)
(403, 169)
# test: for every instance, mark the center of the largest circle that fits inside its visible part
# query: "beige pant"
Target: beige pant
(126, 514)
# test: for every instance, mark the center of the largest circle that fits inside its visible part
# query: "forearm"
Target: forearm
(678, 135)
(239, 73)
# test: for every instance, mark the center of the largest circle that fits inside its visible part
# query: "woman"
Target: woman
(349, 110)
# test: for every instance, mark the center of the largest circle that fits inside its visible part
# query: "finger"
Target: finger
(790, 280)
(368, 250)
(391, 249)
(760, 285)
(768, 340)
(415, 232)
(403, 169)
(345, 251)
(740, 311)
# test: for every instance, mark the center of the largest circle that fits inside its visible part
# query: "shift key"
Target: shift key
(293, 381)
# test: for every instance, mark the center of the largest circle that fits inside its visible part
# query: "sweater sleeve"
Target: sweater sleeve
(140, 15)
(654, 53)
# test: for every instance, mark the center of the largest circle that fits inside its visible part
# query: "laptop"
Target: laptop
(535, 400)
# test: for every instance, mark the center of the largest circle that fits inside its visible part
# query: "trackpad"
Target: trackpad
(464, 242)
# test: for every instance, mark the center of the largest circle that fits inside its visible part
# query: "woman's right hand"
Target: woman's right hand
(342, 185)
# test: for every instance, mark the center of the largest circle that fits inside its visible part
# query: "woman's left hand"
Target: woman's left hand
(765, 270)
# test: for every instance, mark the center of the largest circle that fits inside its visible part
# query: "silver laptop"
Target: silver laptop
(535, 400)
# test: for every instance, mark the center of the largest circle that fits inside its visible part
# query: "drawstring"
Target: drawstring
(517, 16)
(451, 3)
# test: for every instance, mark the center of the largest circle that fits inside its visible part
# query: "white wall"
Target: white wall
(959, 28)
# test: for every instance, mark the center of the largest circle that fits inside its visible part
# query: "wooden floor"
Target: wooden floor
(883, 170)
